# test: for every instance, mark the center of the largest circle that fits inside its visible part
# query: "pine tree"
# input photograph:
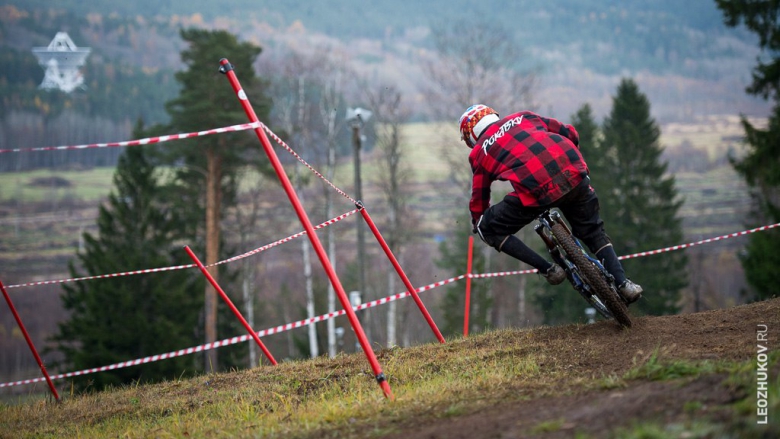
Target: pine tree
(209, 167)
(560, 306)
(124, 318)
(639, 202)
(760, 167)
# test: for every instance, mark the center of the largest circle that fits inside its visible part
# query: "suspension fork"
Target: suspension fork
(556, 218)
(542, 229)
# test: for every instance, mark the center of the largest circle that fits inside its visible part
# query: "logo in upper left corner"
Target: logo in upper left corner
(242, 94)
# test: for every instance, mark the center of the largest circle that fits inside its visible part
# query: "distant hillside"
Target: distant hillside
(661, 36)
(682, 55)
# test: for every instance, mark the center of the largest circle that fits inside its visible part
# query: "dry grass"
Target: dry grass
(336, 397)
(339, 397)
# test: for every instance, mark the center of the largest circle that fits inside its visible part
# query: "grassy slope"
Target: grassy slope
(436, 386)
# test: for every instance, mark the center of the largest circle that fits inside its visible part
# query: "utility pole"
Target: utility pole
(361, 240)
(357, 117)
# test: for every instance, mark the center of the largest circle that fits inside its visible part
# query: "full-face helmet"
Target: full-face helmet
(474, 121)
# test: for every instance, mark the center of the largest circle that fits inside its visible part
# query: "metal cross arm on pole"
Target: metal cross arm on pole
(227, 69)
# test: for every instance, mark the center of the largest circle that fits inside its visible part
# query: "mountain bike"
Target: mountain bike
(586, 273)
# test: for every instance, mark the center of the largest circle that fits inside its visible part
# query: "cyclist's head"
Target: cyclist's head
(474, 121)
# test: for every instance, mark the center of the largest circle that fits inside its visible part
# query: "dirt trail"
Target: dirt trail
(728, 334)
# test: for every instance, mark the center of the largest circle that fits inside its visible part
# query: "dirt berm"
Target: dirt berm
(718, 336)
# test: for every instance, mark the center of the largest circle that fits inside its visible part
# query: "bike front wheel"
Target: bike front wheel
(592, 276)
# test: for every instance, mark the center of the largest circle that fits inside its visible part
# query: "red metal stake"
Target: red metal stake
(468, 288)
(29, 342)
(400, 272)
(227, 300)
(227, 69)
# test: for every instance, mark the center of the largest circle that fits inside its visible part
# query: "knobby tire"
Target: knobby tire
(592, 276)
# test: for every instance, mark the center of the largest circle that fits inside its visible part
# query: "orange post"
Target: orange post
(468, 288)
(29, 342)
(410, 288)
(229, 303)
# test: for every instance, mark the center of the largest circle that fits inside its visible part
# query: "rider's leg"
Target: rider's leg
(515, 248)
(607, 256)
(498, 226)
(581, 208)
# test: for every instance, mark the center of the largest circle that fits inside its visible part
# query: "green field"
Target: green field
(86, 186)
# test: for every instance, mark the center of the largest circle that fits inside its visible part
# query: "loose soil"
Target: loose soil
(719, 335)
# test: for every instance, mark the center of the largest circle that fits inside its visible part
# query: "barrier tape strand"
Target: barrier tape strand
(300, 159)
(181, 267)
(146, 141)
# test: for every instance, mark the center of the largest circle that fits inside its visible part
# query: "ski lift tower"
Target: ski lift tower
(61, 60)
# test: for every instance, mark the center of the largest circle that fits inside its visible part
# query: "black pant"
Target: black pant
(580, 207)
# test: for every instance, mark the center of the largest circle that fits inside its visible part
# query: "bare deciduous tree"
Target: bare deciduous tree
(308, 94)
(473, 63)
(391, 113)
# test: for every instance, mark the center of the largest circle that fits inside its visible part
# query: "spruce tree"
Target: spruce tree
(639, 201)
(760, 167)
(588, 129)
(125, 318)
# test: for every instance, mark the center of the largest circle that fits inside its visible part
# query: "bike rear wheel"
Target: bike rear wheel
(592, 276)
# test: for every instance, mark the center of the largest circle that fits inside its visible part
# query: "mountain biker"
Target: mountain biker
(540, 158)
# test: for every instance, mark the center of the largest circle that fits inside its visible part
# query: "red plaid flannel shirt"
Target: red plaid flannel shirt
(539, 156)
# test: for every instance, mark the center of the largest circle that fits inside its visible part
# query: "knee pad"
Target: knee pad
(596, 243)
(488, 238)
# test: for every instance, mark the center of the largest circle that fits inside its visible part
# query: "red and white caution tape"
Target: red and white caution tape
(300, 159)
(504, 273)
(146, 141)
(101, 276)
(703, 241)
(234, 340)
(647, 253)
(181, 267)
(282, 241)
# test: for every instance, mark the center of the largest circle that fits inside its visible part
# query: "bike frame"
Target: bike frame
(544, 230)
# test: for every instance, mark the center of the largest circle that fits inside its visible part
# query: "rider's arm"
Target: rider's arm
(480, 193)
